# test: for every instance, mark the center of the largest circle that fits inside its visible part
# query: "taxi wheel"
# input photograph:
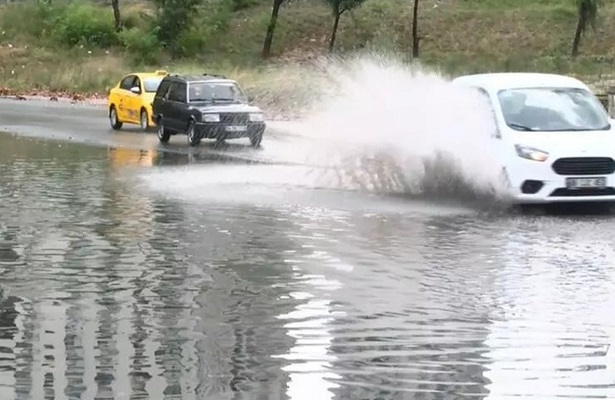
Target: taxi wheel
(144, 120)
(113, 119)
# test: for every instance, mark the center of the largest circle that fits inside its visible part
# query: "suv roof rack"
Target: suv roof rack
(214, 75)
(195, 77)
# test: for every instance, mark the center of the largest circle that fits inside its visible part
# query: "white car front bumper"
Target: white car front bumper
(550, 178)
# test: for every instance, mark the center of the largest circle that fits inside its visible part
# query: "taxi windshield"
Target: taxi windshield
(150, 85)
(552, 109)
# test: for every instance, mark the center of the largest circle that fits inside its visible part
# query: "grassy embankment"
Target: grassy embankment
(40, 48)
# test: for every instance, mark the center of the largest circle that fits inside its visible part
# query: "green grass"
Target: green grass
(459, 36)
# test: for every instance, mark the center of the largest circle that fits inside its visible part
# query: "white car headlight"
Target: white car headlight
(531, 153)
(211, 117)
(256, 117)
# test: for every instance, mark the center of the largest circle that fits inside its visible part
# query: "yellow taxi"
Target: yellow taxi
(130, 101)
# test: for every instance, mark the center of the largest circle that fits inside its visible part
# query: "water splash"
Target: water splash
(382, 126)
(385, 126)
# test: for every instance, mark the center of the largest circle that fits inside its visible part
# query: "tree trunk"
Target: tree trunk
(336, 23)
(271, 28)
(415, 30)
(577, 37)
(116, 14)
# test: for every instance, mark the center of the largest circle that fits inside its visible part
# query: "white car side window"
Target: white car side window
(486, 97)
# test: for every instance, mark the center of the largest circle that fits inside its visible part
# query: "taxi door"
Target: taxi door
(132, 102)
(121, 97)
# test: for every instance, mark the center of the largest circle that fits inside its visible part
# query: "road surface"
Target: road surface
(87, 123)
(232, 280)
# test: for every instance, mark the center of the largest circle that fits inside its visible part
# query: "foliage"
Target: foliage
(243, 4)
(208, 21)
(173, 18)
(29, 19)
(339, 7)
(143, 46)
(83, 23)
(587, 14)
(36, 37)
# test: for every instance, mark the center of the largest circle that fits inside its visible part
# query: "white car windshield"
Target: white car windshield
(552, 109)
(216, 91)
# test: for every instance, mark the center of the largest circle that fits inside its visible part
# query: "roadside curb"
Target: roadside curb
(57, 99)
(100, 103)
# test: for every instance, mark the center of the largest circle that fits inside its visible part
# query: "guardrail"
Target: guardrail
(604, 99)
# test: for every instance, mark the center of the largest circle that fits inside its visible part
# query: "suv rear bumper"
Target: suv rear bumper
(215, 130)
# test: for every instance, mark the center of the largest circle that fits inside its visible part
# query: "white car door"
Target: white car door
(501, 147)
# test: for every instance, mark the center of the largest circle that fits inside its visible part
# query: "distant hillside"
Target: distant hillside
(457, 36)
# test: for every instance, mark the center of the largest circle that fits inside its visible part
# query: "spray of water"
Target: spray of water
(385, 126)
(379, 125)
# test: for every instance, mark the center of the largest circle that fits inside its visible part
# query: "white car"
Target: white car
(554, 138)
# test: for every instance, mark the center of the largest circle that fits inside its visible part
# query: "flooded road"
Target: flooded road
(132, 274)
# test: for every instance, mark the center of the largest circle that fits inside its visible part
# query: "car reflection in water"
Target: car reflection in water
(200, 156)
(126, 157)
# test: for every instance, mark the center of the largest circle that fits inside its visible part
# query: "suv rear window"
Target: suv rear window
(163, 87)
(178, 92)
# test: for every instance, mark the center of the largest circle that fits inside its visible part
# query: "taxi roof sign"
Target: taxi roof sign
(161, 72)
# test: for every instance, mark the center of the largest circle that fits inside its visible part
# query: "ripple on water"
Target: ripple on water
(114, 292)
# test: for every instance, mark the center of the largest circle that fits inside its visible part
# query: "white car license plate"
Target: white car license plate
(236, 128)
(583, 183)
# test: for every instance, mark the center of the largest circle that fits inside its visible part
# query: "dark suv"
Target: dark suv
(205, 107)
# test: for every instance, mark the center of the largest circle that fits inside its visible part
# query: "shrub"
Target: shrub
(209, 20)
(243, 4)
(83, 23)
(28, 20)
(143, 46)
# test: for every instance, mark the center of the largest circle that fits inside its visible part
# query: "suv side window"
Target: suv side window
(178, 92)
(127, 82)
(163, 89)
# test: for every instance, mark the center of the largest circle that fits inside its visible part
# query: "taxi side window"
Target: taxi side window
(127, 82)
(137, 83)
(178, 92)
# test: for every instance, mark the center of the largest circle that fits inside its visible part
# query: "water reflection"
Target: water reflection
(123, 157)
(552, 317)
(109, 292)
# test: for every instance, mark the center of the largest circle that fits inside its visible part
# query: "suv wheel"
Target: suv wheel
(113, 119)
(193, 139)
(163, 134)
(255, 140)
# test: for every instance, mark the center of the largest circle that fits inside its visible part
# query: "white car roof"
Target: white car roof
(510, 80)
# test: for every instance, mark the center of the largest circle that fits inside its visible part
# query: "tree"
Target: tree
(587, 14)
(116, 14)
(415, 30)
(339, 7)
(271, 27)
(174, 18)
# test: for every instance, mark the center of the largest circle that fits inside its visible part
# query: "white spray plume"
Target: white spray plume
(389, 126)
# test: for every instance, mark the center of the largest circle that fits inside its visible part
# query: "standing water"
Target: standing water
(123, 277)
